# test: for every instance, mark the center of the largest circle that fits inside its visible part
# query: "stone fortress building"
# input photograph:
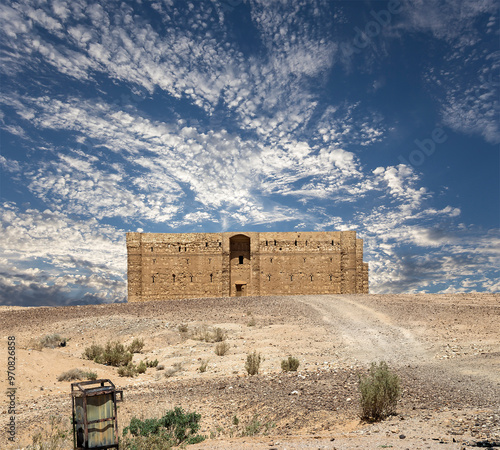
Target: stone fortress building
(164, 266)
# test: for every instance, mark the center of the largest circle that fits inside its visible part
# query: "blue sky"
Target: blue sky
(229, 115)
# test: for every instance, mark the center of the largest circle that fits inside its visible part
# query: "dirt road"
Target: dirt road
(366, 334)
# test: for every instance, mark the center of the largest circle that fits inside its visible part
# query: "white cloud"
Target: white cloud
(401, 182)
(469, 101)
(217, 167)
(47, 252)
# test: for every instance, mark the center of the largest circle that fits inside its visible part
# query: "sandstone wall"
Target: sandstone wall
(190, 265)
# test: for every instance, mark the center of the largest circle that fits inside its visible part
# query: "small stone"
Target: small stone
(402, 436)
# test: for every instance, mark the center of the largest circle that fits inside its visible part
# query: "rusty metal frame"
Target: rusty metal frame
(80, 390)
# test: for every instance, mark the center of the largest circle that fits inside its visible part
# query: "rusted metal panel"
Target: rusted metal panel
(95, 424)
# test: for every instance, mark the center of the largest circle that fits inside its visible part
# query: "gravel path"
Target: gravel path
(366, 334)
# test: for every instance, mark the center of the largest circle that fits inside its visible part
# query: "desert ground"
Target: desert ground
(445, 348)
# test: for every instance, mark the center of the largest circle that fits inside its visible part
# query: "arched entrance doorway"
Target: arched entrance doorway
(239, 254)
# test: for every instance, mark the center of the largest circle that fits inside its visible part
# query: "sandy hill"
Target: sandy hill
(445, 348)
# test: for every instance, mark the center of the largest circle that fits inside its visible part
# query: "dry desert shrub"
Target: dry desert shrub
(380, 391)
(256, 426)
(221, 348)
(183, 328)
(53, 341)
(200, 333)
(206, 334)
(252, 363)
(203, 366)
(141, 367)
(136, 346)
(93, 353)
(59, 436)
(48, 341)
(218, 335)
(77, 374)
(176, 368)
(130, 370)
(113, 354)
(290, 365)
(34, 344)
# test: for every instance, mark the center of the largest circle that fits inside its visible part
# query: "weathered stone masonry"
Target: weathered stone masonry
(164, 266)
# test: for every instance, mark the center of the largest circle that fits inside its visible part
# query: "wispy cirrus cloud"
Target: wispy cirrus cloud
(206, 163)
(469, 98)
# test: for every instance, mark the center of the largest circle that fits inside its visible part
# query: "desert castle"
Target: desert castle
(164, 266)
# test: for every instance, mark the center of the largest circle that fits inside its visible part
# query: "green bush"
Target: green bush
(252, 363)
(152, 363)
(91, 375)
(255, 426)
(174, 428)
(380, 391)
(136, 346)
(290, 365)
(130, 370)
(93, 353)
(141, 367)
(221, 348)
(150, 442)
(116, 355)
